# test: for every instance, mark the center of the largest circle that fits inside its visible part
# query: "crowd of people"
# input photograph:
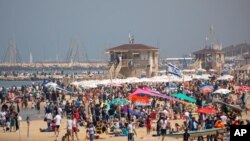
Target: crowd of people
(91, 108)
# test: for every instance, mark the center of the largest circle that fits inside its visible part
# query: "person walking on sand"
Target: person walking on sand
(69, 127)
(74, 129)
(57, 119)
(148, 125)
(131, 131)
(164, 123)
(91, 131)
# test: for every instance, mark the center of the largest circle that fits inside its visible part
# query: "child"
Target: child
(12, 124)
(7, 126)
(32, 105)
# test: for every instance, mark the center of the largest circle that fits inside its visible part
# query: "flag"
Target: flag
(172, 69)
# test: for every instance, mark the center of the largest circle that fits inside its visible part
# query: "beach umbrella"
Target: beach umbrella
(207, 89)
(132, 112)
(115, 85)
(222, 91)
(51, 85)
(243, 88)
(172, 86)
(184, 97)
(119, 101)
(207, 110)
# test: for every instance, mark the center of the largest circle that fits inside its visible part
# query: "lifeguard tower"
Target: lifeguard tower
(211, 57)
(133, 60)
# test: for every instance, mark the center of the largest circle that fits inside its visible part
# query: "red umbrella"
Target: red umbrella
(206, 110)
(244, 88)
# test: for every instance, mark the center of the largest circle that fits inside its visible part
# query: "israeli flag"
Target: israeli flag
(172, 69)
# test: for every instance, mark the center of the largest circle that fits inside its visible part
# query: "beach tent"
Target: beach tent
(140, 100)
(150, 92)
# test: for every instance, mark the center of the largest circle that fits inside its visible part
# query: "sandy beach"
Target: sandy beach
(36, 135)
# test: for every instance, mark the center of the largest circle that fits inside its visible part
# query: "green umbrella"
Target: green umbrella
(119, 101)
(186, 98)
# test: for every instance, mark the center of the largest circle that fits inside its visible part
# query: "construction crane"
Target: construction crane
(12, 55)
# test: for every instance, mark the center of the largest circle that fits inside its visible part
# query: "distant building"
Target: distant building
(133, 60)
(211, 58)
(243, 72)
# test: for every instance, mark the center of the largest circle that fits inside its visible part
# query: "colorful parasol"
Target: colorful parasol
(243, 88)
(184, 97)
(206, 110)
(119, 101)
(207, 89)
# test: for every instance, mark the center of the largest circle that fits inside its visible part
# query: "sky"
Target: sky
(177, 27)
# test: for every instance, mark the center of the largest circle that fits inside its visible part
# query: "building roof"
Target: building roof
(127, 47)
(208, 50)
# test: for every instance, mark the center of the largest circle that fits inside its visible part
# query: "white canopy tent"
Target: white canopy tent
(225, 77)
